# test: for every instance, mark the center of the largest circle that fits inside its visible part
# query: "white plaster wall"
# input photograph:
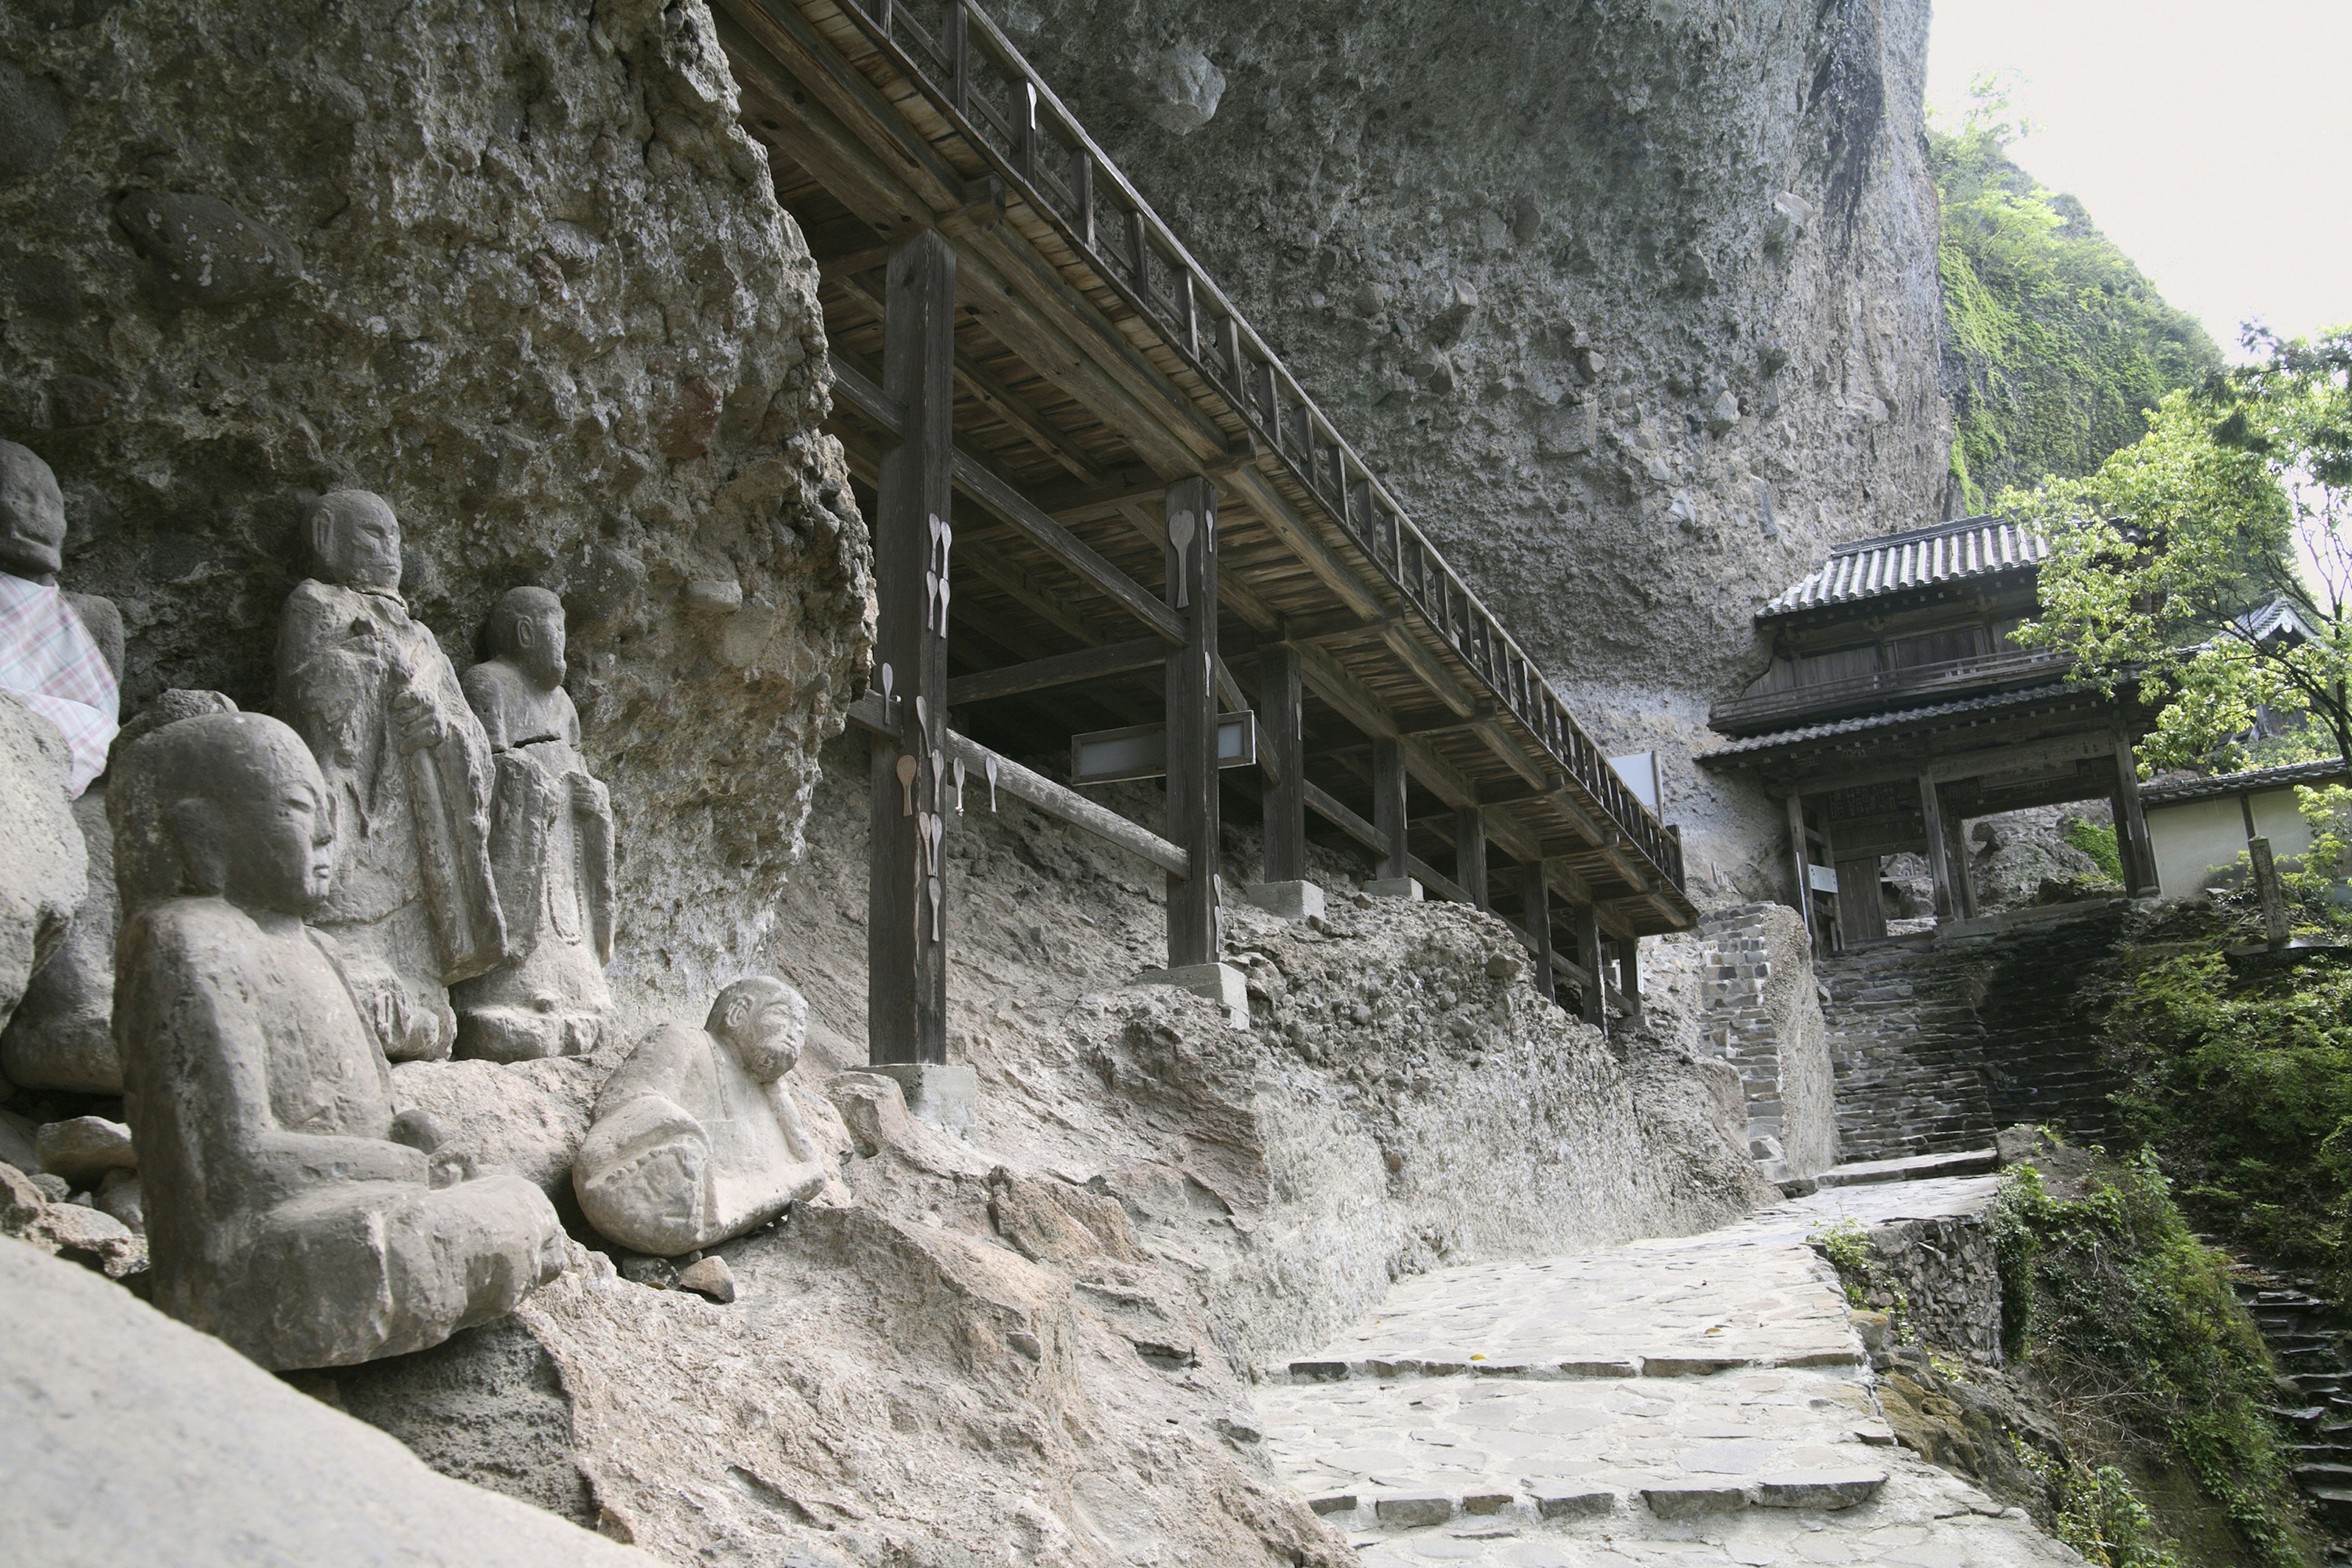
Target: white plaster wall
(2198, 842)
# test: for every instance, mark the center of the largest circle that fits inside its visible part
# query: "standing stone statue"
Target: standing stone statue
(61, 652)
(408, 769)
(551, 848)
(289, 1211)
(695, 1137)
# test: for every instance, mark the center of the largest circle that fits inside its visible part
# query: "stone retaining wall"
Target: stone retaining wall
(1942, 1038)
(1764, 1016)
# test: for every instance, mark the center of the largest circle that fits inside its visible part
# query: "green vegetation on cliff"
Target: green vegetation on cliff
(2054, 345)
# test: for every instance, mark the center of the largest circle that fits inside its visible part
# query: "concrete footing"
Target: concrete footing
(1220, 983)
(1395, 887)
(1294, 901)
(945, 1096)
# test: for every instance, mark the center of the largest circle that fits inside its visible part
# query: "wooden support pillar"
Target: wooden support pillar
(906, 922)
(1190, 508)
(1589, 958)
(1280, 723)
(1801, 862)
(2132, 845)
(1537, 894)
(1956, 848)
(1388, 804)
(1939, 859)
(1470, 853)
(1629, 976)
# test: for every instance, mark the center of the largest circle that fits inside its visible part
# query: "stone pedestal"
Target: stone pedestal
(1220, 983)
(943, 1094)
(1395, 887)
(1294, 901)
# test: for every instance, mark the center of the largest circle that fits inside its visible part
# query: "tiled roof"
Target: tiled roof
(2325, 771)
(1948, 553)
(2279, 616)
(1893, 720)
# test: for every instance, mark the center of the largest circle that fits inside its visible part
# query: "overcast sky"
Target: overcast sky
(2210, 139)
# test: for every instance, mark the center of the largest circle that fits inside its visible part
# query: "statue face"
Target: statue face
(32, 516)
(359, 543)
(539, 648)
(282, 842)
(767, 1038)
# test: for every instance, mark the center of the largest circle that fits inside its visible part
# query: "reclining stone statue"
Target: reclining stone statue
(551, 848)
(697, 1138)
(61, 653)
(408, 768)
(289, 1211)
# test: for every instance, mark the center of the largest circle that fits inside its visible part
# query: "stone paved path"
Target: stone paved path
(1687, 1401)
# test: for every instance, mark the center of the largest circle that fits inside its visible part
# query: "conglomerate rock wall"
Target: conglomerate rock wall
(1634, 302)
(517, 270)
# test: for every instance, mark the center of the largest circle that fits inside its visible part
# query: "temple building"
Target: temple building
(1896, 708)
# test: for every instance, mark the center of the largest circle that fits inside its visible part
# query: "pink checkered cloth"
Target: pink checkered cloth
(48, 658)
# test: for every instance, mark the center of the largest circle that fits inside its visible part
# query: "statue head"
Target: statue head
(766, 1022)
(32, 515)
(526, 630)
(224, 804)
(354, 540)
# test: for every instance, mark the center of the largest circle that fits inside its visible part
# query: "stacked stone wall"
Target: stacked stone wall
(1764, 1017)
(1942, 1038)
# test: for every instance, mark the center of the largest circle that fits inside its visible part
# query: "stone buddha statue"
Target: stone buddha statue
(61, 653)
(289, 1211)
(408, 769)
(551, 848)
(697, 1138)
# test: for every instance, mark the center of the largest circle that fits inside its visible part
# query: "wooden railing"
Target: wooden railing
(980, 82)
(1858, 694)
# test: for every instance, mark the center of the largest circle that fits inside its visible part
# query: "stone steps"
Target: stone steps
(2306, 1336)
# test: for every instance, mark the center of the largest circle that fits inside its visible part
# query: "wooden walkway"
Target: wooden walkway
(1023, 351)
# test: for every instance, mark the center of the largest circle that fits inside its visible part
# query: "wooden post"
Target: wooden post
(1190, 508)
(2131, 825)
(1800, 858)
(1589, 958)
(1280, 723)
(1537, 893)
(1629, 975)
(1470, 853)
(1388, 804)
(1939, 863)
(906, 926)
(1956, 848)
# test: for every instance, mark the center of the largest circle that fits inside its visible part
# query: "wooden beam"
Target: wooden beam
(1231, 593)
(1068, 806)
(1432, 672)
(1193, 823)
(1629, 971)
(1007, 405)
(1801, 863)
(2131, 823)
(1048, 603)
(1535, 894)
(1590, 959)
(1389, 781)
(906, 917)
(1280, 731)
(1058, 669)
(1327, 806)
(1066, 547)
(1470, 854)
(1931, 810)
(1435, 881)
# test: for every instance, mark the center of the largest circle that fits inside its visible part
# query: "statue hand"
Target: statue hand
(418, 719)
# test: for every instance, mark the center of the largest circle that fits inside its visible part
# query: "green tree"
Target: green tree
(2054, 343)
(2240, 495)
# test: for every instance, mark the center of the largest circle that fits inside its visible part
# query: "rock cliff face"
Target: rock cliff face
(517, 271)
(1633, 302)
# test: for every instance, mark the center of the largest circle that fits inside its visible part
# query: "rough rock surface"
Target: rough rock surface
(42, 863)
(128, 1438)
(1634, 302)
(1764, 1017)
(521, 274)
(62, 1036)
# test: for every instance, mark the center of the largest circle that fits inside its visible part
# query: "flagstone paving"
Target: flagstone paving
(1688, 1400)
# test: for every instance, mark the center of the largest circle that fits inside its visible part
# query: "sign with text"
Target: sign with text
(1140, 751)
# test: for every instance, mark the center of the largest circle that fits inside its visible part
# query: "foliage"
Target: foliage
(2118, 1309)
(2099, 1514)
(2097, 842)
(2238, 496)
(2055, 344)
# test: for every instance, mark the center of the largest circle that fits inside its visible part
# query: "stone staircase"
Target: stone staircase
(1940, 1037)
(2307, 1338)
